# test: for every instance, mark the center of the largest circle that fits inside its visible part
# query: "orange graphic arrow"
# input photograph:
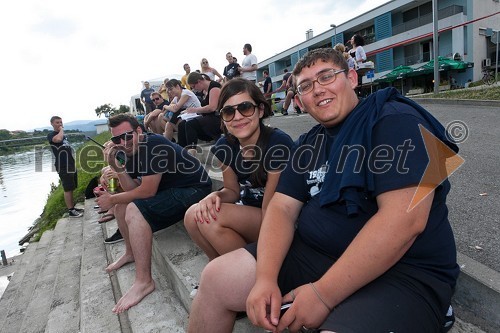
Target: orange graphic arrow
(443, 162)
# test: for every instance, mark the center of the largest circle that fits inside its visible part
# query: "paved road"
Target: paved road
(474, 201)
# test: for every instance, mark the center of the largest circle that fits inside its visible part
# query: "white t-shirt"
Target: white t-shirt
(210, 74)
(192, 102)
(360, 54)
(248, 61)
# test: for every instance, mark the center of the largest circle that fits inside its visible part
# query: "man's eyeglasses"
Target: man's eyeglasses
(124, 136)
(246, 109)
(204, 62)
(323, 79)
(156, 99)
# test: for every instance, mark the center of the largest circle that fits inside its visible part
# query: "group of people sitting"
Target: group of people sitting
(195, 98)
(167, 117)
(314, 223)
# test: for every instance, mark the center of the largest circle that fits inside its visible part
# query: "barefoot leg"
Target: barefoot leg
(124, 259)
(133, 296)
(141, 238)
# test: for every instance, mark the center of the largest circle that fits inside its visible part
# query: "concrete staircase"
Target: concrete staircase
(61, 285)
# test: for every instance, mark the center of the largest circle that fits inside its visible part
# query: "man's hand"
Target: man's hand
(103, 200)
(263, 305)
(110, 151)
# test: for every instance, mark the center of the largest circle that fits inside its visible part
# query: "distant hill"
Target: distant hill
(81, 125)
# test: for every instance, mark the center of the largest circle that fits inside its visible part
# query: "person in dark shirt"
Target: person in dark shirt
(231, 70)
(159, 182)
(342, 237)
(268, 84)
(252, 156)
(146, 97)
(64, 164)
(154, 121)
(207, 125)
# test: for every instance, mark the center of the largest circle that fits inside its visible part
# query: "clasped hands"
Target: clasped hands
(265, 300)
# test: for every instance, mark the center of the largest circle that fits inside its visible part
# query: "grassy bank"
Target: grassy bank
(89, 161)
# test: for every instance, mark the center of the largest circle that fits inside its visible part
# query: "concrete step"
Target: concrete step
(96, 290)
(182, 262)
(38, 308)
(160, 311)
(9, 297)
(65, 306)
(23, 294)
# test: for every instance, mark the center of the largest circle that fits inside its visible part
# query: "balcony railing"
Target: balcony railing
(412, 59)
(426, 19)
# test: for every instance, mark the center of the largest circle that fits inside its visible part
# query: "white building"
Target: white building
(400, 32)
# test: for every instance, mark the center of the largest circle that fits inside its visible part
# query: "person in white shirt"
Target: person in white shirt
(248, 68)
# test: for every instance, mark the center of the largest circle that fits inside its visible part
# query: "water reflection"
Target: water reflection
(25, 180)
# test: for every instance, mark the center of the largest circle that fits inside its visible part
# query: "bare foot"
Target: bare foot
(133, 296)
(124, 259)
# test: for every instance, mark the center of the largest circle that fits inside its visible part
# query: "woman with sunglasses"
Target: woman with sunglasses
(210, 71)
(252, 156)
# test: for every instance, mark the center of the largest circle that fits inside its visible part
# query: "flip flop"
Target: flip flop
(106, 218)
(102, 211)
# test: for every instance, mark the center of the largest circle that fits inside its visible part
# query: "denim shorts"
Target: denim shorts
(168, 206)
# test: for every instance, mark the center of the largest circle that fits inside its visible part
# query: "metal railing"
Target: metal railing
(426, 19)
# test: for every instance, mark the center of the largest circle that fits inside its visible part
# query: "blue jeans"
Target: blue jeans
(168, 206)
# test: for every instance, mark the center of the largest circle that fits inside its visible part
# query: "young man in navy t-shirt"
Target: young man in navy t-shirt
(341, 238)
(160, 181)
(64, 164)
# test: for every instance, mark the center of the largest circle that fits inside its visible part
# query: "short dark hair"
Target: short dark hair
(54, 118)
(322, 54)
(194, 77)
(172, 83)
(248, 47)
(285, 70)
(266, 72)
(121, 118)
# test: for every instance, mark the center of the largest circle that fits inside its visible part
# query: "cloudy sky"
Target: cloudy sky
(68, 57)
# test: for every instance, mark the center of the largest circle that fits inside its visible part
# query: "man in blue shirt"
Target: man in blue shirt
(339, 239)
(159, 181)
(146, 97)
(64, 164)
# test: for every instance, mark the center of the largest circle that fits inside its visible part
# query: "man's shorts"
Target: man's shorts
(69, 181)
(404, 299)
(169, 206)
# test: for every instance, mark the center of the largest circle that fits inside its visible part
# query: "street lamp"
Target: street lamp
(334, 32)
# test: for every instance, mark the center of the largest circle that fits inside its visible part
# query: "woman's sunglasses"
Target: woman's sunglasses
(124, 136)
(246, 109)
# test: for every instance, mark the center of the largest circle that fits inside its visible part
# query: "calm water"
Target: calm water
(24, 187)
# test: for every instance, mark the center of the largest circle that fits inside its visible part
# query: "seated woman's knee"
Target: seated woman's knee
(189, 222)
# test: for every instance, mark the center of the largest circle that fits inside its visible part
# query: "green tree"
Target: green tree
(106, 109)
(5, 134)
(123, 109)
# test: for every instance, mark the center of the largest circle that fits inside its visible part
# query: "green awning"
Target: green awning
(445, 64)
(396, 74)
